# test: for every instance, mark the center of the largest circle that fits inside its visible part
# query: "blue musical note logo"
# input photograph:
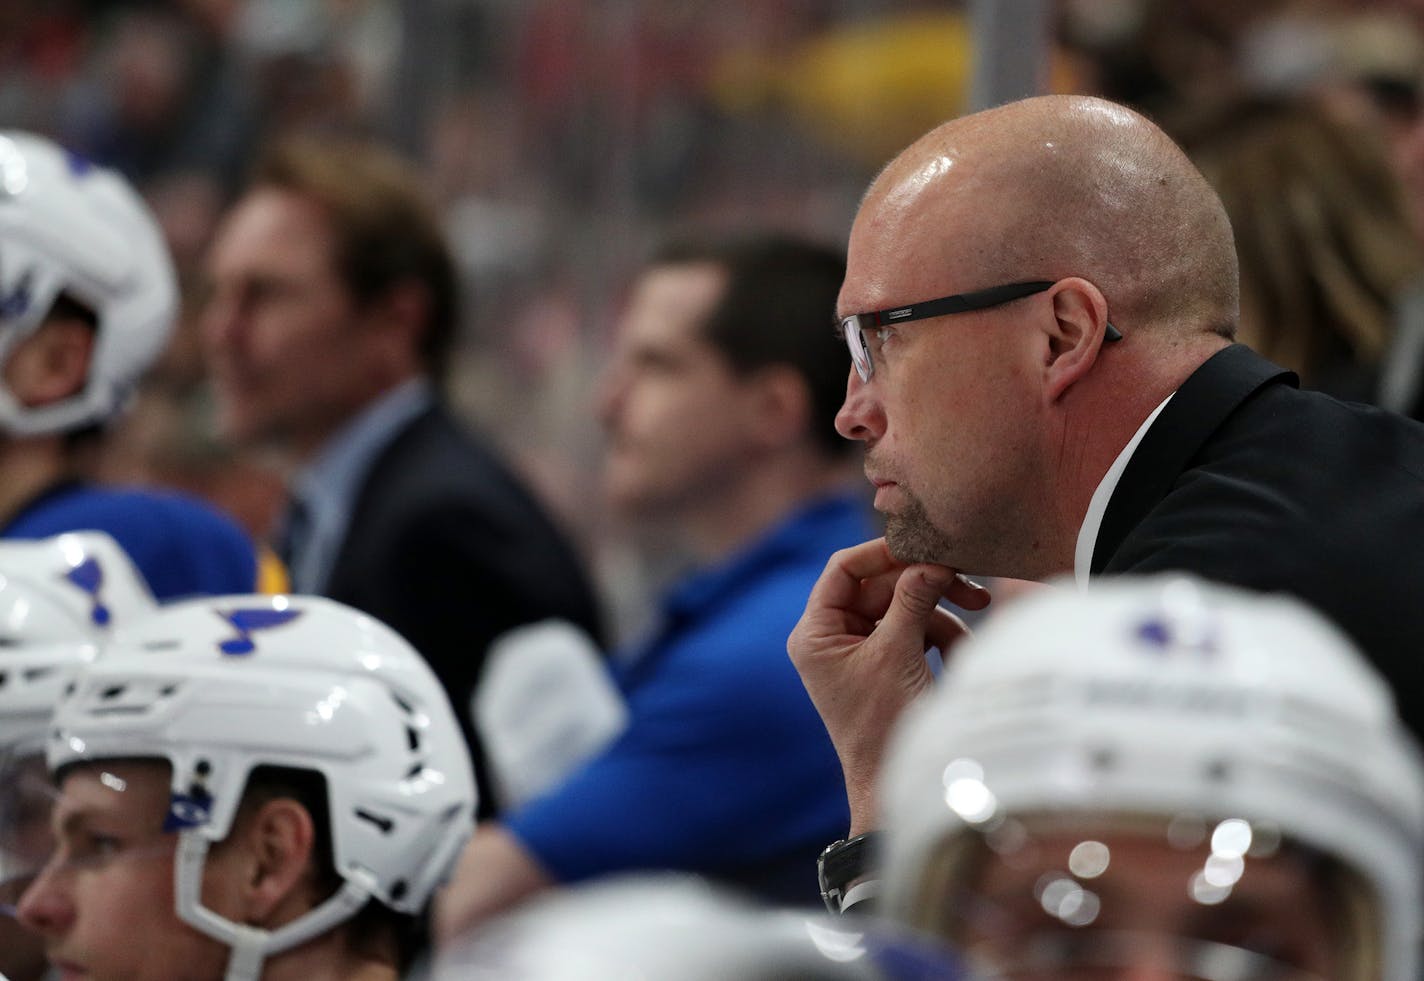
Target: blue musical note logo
(1164, 636)
(89, 576)
(247, 622)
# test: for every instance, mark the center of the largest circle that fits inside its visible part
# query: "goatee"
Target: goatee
(912, 537)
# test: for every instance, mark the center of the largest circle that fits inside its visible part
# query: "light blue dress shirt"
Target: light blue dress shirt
(327, 486)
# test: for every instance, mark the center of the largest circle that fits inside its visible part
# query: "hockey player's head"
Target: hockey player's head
(59, 600)
(242, 776)
(87, 289)
(1160, 775)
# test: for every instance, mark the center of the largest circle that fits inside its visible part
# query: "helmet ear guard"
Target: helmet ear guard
(220, 687)
(1159, 699)
(69, 228)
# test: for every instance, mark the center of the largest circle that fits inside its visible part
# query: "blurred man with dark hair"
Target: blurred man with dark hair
(332, 314)
(719, 404)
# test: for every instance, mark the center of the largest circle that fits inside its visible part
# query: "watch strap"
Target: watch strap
(841, 864)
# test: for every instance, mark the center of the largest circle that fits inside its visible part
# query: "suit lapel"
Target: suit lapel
(1205, 400)
(370, 499)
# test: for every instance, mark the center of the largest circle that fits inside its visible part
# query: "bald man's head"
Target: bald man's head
(1053, 187)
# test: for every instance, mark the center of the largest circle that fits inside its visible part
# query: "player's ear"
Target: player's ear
(1074, 335)
(781, 405)
(276, 842)
(51, 364)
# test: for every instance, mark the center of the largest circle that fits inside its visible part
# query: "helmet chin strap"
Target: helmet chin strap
(252, 945)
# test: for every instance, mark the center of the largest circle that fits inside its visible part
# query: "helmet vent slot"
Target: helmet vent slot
(413, 738)
(128, 697)
(1218, 771)
(384, 824)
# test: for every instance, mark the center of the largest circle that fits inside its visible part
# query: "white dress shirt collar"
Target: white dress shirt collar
(1098, 506)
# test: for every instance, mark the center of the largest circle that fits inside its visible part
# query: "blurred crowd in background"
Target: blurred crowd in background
(564, 139)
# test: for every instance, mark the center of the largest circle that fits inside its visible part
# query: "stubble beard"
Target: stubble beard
(912, 537)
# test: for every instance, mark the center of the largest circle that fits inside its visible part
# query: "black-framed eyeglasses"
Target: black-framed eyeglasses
(855, 327)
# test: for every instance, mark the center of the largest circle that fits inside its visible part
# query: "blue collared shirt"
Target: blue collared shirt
(725, 767)
(328, 485)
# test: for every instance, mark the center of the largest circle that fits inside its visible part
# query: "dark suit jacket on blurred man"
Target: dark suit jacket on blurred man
(330, 321)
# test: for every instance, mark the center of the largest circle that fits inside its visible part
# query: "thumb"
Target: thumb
(917, 593)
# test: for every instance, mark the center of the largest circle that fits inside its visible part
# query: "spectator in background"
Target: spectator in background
(1165, 778)
(87, 301)
(1386, 66)
(718, 404)
(1326, 251)
(331, 316)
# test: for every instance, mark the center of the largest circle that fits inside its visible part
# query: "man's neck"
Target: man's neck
(301, 449)
(30, 466)
(1108, 415)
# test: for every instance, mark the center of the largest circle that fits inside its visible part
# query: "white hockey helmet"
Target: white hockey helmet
(70, 227)
(676, 927)
(59, 598)
(1166, 697)
(221, 686)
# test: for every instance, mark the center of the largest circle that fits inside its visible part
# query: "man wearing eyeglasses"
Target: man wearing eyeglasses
(1040, 303)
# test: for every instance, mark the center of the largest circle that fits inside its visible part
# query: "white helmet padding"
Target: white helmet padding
(1166, 697)
(70, 227)
(221, 686)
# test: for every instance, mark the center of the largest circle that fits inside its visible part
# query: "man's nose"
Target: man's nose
(861, 416)
(612, 390)
(220, 323)
(44, 906)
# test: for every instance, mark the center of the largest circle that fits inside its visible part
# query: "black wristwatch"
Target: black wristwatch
(841, 863)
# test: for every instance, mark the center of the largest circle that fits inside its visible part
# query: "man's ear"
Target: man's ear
(781, 406)
(402, 314)
(51, 364)
(276, 843)
(1080, 319)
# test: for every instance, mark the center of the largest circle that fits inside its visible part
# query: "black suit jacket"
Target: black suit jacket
(450, 549)
(1245, 479)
